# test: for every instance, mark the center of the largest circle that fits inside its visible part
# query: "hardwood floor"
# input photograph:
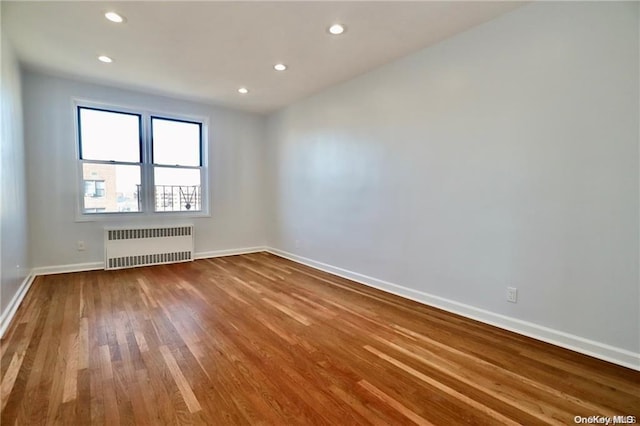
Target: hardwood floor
(257, 339)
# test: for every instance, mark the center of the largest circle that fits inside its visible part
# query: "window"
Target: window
(177, 159)
(94, 188)
(134, 162)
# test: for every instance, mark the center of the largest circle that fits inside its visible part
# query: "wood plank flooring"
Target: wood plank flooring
(257, 339)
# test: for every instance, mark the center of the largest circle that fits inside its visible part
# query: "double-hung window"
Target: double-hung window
(177, 164)
(136, 162)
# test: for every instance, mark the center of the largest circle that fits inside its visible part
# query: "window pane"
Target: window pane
(100, 188)
(176, 142)
(115, 188)
(89, 188)
(109, 136)
(177, 189)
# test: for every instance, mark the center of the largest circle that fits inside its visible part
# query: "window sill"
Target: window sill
(138, 216)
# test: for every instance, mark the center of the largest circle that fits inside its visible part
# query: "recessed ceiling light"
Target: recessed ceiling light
(279, 67)
(243, 90)
(114, 17)
(105, 59)
(336, 29)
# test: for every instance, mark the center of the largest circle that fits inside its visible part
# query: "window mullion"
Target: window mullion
(147, 168)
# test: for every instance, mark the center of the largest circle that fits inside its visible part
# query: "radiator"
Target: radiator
(131, 247)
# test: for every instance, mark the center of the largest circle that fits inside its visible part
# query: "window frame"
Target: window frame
(147, 186)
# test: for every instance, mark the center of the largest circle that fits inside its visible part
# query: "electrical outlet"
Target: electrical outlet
(512, 294)
(81, 246)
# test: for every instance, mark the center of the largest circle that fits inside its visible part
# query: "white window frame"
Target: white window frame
(146, 165)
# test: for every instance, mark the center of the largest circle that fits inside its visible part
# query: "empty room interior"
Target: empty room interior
(317, 212)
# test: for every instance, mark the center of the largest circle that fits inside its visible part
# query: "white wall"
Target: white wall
(14, 267)
(235, 167)
(505, 156)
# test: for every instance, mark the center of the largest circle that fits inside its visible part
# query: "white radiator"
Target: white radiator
(131, 247)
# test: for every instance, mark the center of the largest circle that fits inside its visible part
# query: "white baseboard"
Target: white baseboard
(229, 252)
(16, 300)
(63, 269)
(91, 266)
(555, 337)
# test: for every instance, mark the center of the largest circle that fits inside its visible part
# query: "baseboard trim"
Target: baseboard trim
(64, 269)
(228, 252)
(92, 266)
(565, 340)
(10, 312)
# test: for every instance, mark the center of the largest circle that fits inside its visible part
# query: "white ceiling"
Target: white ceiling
(207, 50)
